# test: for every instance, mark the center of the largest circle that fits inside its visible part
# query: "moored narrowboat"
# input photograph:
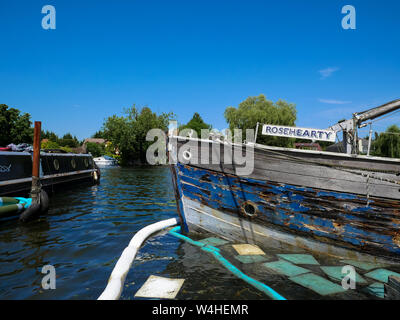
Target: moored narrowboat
(56, 169)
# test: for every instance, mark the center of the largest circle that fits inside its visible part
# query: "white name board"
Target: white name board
(300, 133)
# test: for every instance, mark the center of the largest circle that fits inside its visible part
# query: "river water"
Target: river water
(87, 229)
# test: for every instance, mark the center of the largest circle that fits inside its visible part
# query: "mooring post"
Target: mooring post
(35, 190)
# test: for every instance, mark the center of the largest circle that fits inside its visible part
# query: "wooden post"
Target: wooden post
(35, 190)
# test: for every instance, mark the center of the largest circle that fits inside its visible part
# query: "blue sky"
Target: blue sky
(196, 56)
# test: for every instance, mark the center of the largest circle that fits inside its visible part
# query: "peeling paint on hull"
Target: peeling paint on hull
(337, 223)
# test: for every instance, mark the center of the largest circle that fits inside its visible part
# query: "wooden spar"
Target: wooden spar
(378, 111)
(35, 190)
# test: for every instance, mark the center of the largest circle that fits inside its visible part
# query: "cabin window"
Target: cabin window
(86, 162)
(73, 163)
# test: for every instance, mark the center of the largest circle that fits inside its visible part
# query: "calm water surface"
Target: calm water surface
(87, 229)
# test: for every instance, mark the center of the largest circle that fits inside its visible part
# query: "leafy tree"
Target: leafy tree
(259, 109)
(14, 126)
(49, 145)
(96, 149)
(68, 141)
(50, 135)
(99, 135)
(387, 144)
(128, 133)
(197, 124)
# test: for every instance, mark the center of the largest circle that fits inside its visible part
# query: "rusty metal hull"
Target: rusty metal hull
(321, 213)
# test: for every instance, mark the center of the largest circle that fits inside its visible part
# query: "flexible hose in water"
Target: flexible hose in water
(116, 281)
(215, 252)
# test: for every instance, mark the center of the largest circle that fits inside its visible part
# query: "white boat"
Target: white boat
(105, 161)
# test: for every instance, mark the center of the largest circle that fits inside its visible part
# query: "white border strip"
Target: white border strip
(57, 175)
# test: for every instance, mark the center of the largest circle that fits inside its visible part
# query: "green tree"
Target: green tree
(99, 135)
(387, 144)
(50, 135)
(96, 149)
(68, 141)
(49, 145)
(197, 124)
(14, 126)
(128, 133)
(259, 109)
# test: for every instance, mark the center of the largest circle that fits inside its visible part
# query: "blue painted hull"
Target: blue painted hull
(244, 208)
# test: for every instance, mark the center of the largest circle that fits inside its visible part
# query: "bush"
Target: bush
(49, 145)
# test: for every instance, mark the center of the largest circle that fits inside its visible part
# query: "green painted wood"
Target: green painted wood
(366, 266)
(214, 241)
(335, 273)
(299, 258)
(382, 275)
(377, 289)
(317, 284)
(286, 268)
(251, 258)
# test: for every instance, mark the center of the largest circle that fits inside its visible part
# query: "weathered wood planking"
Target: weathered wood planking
(315, 170)
(339, 218)
(347, 201)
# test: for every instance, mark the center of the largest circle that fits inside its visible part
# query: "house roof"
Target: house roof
(95, 140)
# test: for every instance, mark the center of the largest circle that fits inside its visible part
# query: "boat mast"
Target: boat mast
(377, 112)
(349, 127)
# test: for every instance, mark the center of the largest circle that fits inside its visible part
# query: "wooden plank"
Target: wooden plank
(284, 170)
(303, 211)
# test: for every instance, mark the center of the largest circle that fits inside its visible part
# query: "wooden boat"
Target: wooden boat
(341, 204)
(56, 169)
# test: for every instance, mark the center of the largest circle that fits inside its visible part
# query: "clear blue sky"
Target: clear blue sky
(196, 56)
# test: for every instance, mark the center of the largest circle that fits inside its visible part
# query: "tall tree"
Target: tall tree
(259, 109)
(14, 126)
(197, 124)
(68, 141)
(99, 135)
(50, 135)
(387, 144)
(128, 133)
(96, 149)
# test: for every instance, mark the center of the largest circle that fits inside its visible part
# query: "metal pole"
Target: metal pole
(370, 138)
(255, 137)
(35, 190)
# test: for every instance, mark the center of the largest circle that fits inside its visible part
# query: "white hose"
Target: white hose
(116, 281)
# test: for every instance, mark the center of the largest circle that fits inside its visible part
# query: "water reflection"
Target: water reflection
(83, 234)
(87, 229)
